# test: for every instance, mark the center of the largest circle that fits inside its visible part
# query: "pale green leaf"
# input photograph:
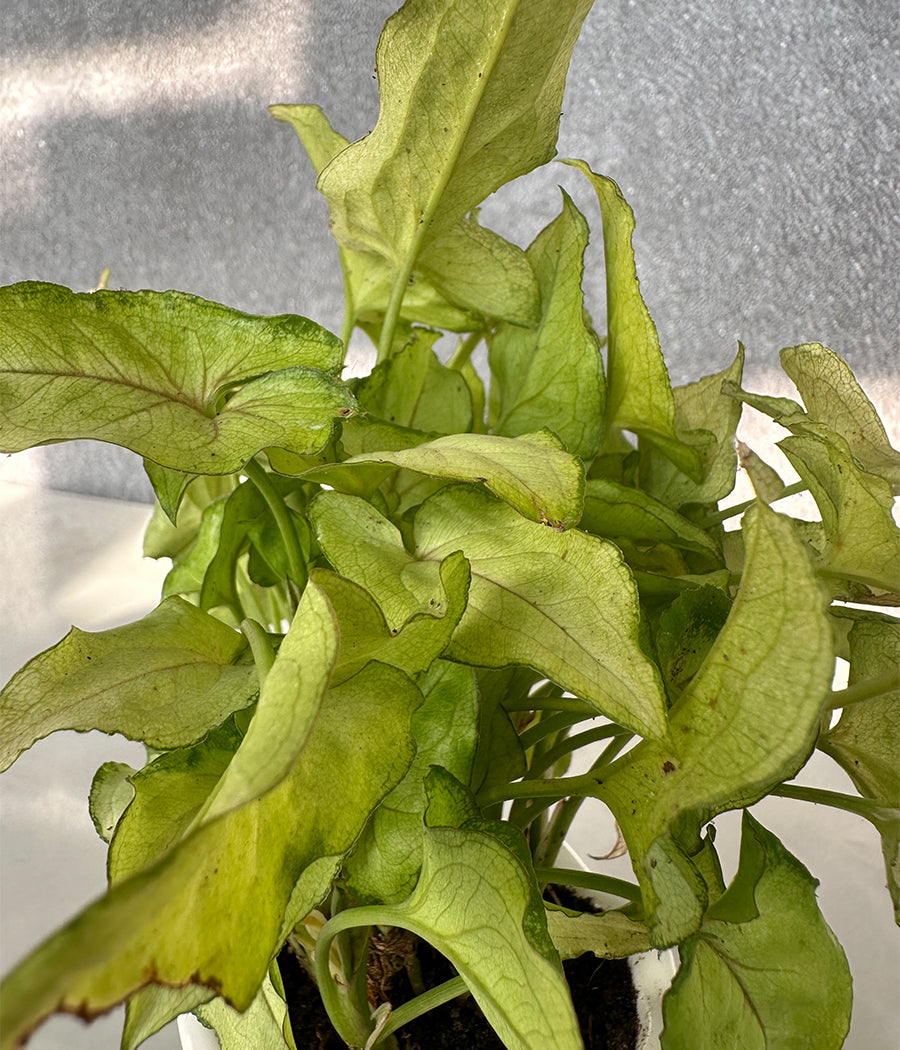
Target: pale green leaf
(260, 1027)
(289, 703)
(154, 1006)
(368, 549)
(532, 473)
(413, 389)
(563, 603)
(749, 716)
(612, 510)
(479, 905)
(609, 935)
(165, 540)
(862, 539)
(168, 793)
(365, 634)
(866, 740)
(187, 383)
(470, 94)
(131, 680)
(386, 862)
(482, 271)
(169, 486)
(110, 795)
(211, 911)
(706, 418)
(553, 376)
(639, 395)
(767, 483)
(764, 972)
(833, 396)
(469, 264)
(189, 565)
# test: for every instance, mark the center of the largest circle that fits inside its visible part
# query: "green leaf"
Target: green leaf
(615, 510)
(129, 679)
(187, 383)
(470, 95)
(289, 703)
(211, 911)
(260, 1027)
(562, 603)
(767, 484)
(153, 1007)
(706, 418)
(862, 539)
(773, 977)
(532, 473)
(413, 389)
(482, 271)
(190, 565)
(168, 794)
(749, 716)
(833, 396)
(386, 862)
(866, 740)
(110, 795)
(479, 905)
(367, 276)
(553, 376)
(365, 634)
(639, 395)
(686, 632)
(610, 935)
(169, 486)
(163, 539)
(367, 548)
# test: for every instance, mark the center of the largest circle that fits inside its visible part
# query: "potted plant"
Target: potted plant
(400, 605)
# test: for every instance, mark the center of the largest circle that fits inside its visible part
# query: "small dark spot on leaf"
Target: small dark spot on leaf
(653, 863)
(714, 703)
(668, 767)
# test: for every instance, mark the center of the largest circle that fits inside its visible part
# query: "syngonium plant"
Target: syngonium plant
(400, 602)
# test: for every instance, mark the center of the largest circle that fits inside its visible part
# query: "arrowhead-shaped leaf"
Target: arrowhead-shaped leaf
(562, 603)
(639, 395)
(470, 95)
(615, 510)
(385, 863)
(365, 634)
(553, 376)
(749, 716)
(129, 679)
(866, 740)
(478, 904)
(532, 473)
(862, 539)
(833, 396)
(477, 271)
(706, 418)
(211, 911)
(764, 972)
(187, 383)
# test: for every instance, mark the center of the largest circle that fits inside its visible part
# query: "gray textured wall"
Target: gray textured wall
(756, 141)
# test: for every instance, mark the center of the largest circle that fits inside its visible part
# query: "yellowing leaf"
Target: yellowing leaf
(187, 383)
(131, 680)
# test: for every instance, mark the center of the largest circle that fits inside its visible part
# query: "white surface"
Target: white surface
(65, 559)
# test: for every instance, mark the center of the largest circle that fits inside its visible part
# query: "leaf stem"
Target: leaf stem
(739, 508)
(260, 647)
(464, 349)
(865, 690)
(421, 1004)
(258, 474)
(557, 788)
(862, 807)
(589, 880)
(398, 290)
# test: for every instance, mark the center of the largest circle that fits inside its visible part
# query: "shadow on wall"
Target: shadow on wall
(755, 143)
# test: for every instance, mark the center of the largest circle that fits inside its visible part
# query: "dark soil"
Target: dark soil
(602, 991)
